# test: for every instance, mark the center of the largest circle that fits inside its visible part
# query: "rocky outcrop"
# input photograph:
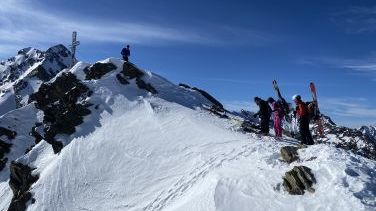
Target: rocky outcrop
(98, 70)
(354, 140)
(130, 72)
(4, 149)
(21, 179)
(4, 146)
(31, 65)
(210, 98)
(249, 127)
(289, 154)
(6, 132)
(62, 111)
(299, 179)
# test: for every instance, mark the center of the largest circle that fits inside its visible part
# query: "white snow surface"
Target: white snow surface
(156, 155)
(142, 152)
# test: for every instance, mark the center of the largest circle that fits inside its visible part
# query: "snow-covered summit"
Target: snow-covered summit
(22, 74)
(111, 136)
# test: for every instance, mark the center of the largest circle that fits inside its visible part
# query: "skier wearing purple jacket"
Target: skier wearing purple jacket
(277, 116)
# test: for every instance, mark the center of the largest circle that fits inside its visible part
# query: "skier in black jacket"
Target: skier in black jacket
(264, 113)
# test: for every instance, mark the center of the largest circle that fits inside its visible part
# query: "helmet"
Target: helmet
(271, 100)
(296, 97)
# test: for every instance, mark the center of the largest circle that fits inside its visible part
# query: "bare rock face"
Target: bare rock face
(4, 146)
(130, 72)
(299, 179)
(289, 153)
(97, 70)
(20, 182)
(6, 132)
(62, 110)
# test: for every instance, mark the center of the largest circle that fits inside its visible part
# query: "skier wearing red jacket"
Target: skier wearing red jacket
(303, 119)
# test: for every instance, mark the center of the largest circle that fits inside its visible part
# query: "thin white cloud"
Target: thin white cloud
(356, 19)
(24, 24)
(349, 107)
(365, 66)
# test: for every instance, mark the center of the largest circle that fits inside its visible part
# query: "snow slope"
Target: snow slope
(138, 151)
(155, 155)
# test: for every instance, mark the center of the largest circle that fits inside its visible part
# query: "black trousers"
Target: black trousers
(125, 58)
(305, 134)
(264, 125)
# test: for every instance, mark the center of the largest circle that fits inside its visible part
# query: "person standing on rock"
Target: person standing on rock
(264, 113)
(277, 117)
(126, 52)
(303, 119)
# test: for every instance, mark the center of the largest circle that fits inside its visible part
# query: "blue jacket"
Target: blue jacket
(125, 52)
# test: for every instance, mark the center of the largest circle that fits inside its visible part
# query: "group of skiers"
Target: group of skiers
(277, 108)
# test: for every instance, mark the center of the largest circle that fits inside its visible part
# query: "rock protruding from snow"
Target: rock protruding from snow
(206, 95)
(355, 140)
(4, 149)
(62, 111)
(97, 70)
(299, 179)
(6, 132)
(20, 182)
(289, 153)
(129, 72)
(22, 75)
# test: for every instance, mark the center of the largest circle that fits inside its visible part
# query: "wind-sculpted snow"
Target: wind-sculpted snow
(150, 154)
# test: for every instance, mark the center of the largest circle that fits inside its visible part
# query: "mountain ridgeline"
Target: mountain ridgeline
(46, 101)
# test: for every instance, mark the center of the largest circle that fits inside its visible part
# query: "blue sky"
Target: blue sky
(232, 49)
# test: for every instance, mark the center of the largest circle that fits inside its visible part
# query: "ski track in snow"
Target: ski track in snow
(200, 172)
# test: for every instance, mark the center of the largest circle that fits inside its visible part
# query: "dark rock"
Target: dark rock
(146, 86)
(38, 137)
(20, 182)
(122, 79)
(62, 111)
(350, 139)
(4, 148)
(209, 97)
(130, 71)
(9, 133)
(249, 127)
(57, 146)
(289, 153)
(214, 109)
(299, 179)
(98, 70)
(3, 163)
(185, 86)
(19, 204)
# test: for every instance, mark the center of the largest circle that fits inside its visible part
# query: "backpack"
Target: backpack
(312, 110)
(284, 106)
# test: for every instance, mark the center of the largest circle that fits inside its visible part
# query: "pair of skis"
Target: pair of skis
(318, 119)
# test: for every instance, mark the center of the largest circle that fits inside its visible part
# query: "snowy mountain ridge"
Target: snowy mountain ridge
(22, 75)
(110, 136)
